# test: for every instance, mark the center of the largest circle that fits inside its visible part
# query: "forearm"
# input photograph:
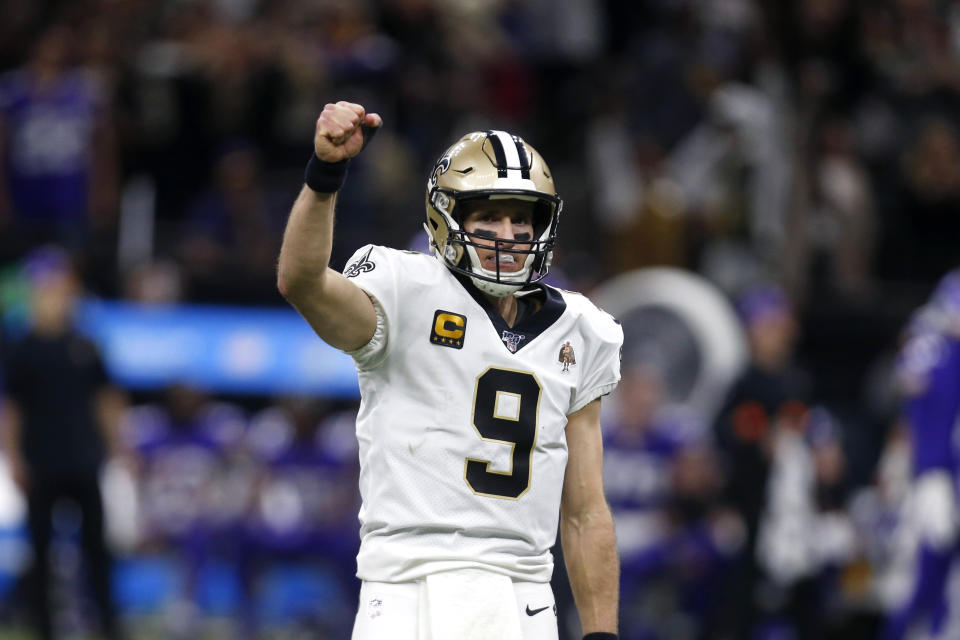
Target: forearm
(307, 243)
(590, 553)
(111, 405)
(339, 311)
(10, 428)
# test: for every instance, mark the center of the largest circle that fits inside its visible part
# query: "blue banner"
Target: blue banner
(220, 349)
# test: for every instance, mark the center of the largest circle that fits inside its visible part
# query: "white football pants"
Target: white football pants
(451, 606)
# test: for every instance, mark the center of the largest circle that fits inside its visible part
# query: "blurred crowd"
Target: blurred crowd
(256, 508)
(813, 141)
(803, 156)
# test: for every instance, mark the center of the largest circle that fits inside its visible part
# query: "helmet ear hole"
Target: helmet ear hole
(542, 217)
(543, 261)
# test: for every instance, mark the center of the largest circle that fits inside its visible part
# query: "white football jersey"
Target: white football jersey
(462, 418)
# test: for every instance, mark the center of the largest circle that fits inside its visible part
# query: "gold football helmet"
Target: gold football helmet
(491, 165)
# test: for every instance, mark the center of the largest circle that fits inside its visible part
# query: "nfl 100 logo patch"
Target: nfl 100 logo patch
(512, 340)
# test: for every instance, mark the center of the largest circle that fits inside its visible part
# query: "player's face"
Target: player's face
(772, 337)
(510, 221)
(54, 298)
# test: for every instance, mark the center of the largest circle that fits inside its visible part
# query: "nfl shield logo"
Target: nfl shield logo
(512, 340)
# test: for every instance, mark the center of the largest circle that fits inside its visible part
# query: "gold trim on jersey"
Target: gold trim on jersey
(499, 409)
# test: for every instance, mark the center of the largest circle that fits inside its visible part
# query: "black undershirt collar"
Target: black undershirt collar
(538, 308)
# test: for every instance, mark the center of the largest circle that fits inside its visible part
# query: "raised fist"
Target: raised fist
(339, 133)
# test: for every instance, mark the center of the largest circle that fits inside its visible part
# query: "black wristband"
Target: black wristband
(325, 177)
(600, 635)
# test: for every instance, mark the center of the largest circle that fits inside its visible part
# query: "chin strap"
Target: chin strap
(600, 635)
(495, 289)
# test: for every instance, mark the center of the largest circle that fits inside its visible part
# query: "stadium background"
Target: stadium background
(813, 144)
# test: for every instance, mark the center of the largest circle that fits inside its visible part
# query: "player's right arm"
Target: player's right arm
(338, 310)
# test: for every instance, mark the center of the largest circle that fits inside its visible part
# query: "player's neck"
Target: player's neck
(506, 306)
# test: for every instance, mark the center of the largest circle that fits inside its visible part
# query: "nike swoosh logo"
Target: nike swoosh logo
(533, 612)
(413, 448)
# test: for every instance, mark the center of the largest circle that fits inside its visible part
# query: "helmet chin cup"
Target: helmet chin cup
(490, 282)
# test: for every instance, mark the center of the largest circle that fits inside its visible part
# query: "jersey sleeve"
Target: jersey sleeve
(372, 269)
(601, 362)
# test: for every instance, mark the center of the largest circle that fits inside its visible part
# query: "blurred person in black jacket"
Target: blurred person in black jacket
(769, 395)
(59, 414)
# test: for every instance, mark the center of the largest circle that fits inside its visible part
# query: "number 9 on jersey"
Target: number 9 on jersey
(505, 409)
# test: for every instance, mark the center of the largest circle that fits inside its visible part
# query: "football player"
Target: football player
(475, 437)
(928, 374)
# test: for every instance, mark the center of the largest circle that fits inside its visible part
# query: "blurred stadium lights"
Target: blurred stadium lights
(217, 348)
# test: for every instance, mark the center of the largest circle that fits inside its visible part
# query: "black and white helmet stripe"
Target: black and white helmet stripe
(512, 159)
